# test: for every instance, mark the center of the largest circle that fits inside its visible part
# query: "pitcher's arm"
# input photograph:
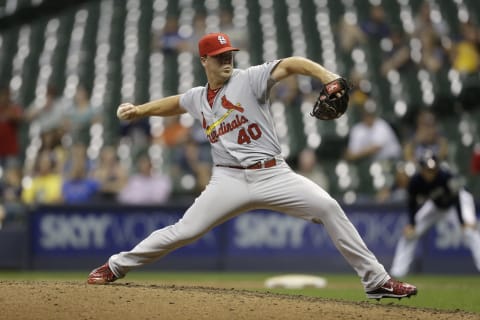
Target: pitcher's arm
(163, 107)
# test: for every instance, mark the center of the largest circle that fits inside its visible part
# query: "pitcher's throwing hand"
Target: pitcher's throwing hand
(127, 111)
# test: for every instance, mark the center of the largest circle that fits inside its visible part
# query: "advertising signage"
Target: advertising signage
(262, 239)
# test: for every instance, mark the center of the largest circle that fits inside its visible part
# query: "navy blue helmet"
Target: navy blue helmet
(428, 160)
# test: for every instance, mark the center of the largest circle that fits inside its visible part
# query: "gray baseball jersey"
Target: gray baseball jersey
(239, 125)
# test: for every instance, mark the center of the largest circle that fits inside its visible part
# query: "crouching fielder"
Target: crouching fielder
(435, 194)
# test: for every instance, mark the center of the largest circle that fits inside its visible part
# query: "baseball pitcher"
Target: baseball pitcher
(249, 172)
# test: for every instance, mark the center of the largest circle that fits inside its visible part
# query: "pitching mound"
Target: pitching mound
(77, 300)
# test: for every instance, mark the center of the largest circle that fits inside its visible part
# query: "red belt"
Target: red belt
(257, 165)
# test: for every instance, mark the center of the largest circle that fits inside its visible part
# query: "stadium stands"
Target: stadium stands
(109, 46)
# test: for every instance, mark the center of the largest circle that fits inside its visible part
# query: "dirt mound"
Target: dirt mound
(77, 300)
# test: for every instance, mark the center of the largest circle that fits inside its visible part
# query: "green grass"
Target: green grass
(447, 292)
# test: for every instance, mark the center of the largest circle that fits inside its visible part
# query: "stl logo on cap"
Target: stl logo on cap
(214, 44)
(222, 39)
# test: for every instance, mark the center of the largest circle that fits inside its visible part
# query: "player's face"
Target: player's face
(225, 58)
(220, 65)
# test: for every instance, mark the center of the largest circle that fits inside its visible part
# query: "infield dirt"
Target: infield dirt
(132, 300)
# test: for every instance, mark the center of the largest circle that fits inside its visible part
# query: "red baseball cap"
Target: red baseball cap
(213, 44)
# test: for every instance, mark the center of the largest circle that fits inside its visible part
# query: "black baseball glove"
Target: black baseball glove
(332, 101)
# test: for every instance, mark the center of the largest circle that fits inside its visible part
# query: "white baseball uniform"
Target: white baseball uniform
(425, 218)
(241, 131)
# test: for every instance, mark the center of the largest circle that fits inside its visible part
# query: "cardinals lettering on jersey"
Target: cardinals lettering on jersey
(223, 127)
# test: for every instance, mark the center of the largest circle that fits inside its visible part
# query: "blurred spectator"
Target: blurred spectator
(77, 186)
(204, 162)
(376, 26)
(199, 30)
(396, 191)
(136, 134)
(349, 33)
(372, 138)
(171, 43)
(474, 181)
(434, 56)
(465, 53)
(46, 185)
(47, 116)
(146, 186)
(288, 91)
(197, 134)
(174, 132)
(426, 137)
(475, 160)
(309, 167)
(11, 206)
(423, 20)
(110, 173)
(398, 57)
(173, 137)
(238, 35)
(51, 144)
(359, 94)
(10, 117)
(80, 116)
(77, 151)
(3, 216)
(190, 161)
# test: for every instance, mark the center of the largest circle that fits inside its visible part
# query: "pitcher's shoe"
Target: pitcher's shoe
(101, 275)
(393, 289)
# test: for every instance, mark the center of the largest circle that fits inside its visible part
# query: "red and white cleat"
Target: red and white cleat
(101, 275)
(393, 289)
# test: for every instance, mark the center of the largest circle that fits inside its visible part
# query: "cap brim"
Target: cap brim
(222, 50)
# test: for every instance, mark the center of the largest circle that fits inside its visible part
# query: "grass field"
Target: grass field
(458, 292)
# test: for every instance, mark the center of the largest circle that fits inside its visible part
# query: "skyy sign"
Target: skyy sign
(89, 230)
(266, 231)
(77, 232)
(65, 231)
